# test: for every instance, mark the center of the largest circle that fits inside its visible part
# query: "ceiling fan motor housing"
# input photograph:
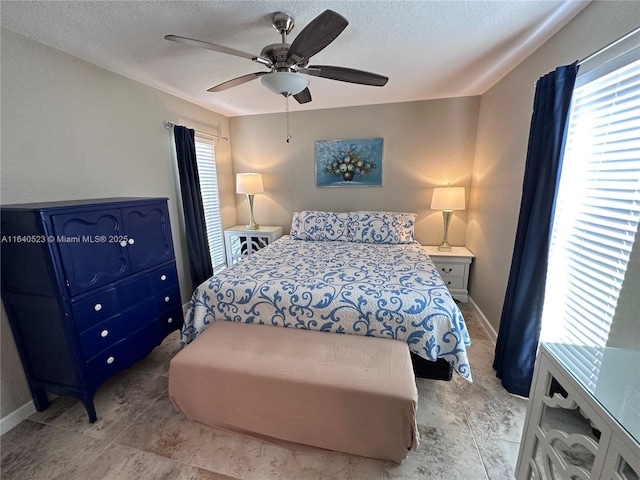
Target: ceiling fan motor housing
(277, 53)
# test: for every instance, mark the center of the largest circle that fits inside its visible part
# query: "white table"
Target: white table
(453, 267)
(591, 430)
(240, 241)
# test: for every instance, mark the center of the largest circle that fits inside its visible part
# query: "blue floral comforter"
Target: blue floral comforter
(380, 290)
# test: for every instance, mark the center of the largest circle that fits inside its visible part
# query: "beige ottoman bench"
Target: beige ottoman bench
(344, 393)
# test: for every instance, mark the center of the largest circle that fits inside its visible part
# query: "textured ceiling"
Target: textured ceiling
(428, 49)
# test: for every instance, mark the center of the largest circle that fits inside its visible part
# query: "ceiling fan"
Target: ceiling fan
(288, 61)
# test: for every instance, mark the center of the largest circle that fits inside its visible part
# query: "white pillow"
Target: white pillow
(381, 227)
(320, 226)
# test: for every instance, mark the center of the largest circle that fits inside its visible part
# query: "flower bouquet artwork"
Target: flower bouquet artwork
(349, 163)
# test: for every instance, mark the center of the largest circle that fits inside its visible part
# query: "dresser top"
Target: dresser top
(262, 229)
(432, 251)
(75, 203)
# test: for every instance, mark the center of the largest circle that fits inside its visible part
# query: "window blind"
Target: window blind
(206, 160)
(596, 213)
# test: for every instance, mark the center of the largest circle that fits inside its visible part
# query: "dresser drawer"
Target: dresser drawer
(115, 328)
(163, 277)
(123, 353)
(107, 302)
(450, 269)
(168, 299)
(454, 282)
(121, 296)
(170, 321)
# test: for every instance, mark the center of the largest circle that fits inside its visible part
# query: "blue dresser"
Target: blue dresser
(90, 287)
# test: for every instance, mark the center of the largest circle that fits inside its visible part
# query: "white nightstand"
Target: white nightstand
(240, 241)
(453, 267)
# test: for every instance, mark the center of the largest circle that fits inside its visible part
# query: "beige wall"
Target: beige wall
(426, 144)
(503, 130)
(71, 130)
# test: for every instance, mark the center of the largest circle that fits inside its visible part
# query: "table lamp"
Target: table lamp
(249, 184)
(447, 199)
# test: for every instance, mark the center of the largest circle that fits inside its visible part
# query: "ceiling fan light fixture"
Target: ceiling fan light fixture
(285, 83)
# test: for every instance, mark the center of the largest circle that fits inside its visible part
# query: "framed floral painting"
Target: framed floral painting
(349, 163)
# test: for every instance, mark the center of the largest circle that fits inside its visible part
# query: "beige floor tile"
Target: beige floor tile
(491, 410)
(499, 457)
(241, 457)
(331, 466)
(194, 473)
(439, 405)
(442, 455)
(118, 462)
(34, 451)
(164, 431)
(118, 402)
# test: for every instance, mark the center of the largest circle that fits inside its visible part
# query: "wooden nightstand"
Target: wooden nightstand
(453, 267)
(240, 241)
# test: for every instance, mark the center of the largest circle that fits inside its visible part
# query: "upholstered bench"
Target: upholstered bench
(337, 392)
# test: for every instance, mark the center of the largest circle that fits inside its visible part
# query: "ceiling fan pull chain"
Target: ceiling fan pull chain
(286, 99)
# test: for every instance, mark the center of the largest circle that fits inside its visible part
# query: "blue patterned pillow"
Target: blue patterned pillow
(381, 227)
(320, 226)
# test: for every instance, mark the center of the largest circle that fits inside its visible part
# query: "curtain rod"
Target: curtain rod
(168, 124)
(603, 49)
(607, 47)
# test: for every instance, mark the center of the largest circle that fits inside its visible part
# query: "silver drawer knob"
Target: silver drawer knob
(163, 277)
(104, 333)
(166, 299)
(131, 241)
(169, 320)
(110, 360)
(97, 307)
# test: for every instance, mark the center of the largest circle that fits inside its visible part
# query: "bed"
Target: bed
(357, 273)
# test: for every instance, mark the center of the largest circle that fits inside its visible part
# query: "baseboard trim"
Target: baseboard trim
(485, 323)
(18, 415)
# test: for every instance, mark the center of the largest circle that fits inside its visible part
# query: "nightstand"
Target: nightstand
(453, 267)
(240, 241)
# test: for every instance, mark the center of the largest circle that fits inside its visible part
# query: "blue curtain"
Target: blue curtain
(521, 318)
(197, 244)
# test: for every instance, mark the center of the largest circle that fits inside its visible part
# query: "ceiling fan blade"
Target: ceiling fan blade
(210, 46)
(343, 74)
(303, 97)
(316, 35)
(236, 81)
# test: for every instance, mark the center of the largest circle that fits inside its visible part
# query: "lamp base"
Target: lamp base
(255, 226)
(444, 247)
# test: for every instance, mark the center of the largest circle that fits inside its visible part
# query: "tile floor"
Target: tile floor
(468, 431)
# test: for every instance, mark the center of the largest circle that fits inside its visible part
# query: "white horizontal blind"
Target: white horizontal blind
(596, 216)
(206, 159)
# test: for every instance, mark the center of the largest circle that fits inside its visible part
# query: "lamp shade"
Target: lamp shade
(249, 183)
(448, 198)
(287, 83)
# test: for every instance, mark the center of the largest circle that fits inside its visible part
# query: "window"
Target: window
(597, 210)
(206, 159)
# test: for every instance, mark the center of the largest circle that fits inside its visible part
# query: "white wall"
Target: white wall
(71, 130)
(426, 144)
(503, 131)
